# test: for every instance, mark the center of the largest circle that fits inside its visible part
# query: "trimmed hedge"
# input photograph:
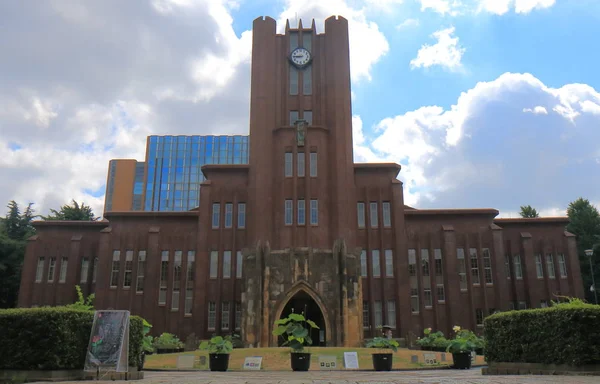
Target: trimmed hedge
(563, 334)
(53, 338)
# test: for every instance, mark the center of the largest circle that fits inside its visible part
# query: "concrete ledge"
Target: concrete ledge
(17, 375)
(133, 374)
(540, 369)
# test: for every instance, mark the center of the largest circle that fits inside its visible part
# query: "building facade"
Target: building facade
(303, 228)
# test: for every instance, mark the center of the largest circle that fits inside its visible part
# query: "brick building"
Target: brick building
(302, 227)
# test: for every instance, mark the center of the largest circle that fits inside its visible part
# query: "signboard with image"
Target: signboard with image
(108, 348)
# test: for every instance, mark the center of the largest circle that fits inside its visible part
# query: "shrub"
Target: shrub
(53, 338)
(567, 333)
(167, 341)
(433, 340)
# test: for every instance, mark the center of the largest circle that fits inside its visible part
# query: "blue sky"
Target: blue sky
(484, 103)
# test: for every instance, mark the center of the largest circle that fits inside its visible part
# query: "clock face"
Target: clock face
(300, 57)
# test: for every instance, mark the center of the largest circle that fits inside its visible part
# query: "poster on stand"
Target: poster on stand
(108, 348)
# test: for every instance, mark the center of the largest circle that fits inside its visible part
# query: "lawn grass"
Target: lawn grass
(278, 359)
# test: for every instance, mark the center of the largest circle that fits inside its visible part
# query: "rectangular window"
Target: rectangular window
(544, 304)
(293, 80)
(226, 264)
(428, 300)
(414, 300)
(189, 282)
(550, 266)
(128, 268)
(313, 164)
(562, 264)
(238, 315)
(479, 317)
(474, 266)
(517, 265)
(441, 294)
(412, 262)
(238, 264)
(522, 305)
(511, 306)
(39, 273)
(94, 270)
(462, 268)
(301, 212)
(293, 117)
(378, 314)
(64, 262)
(307, 116)
(176, 280)
(387, 214)
(391, 313)
(51, 268)
(306, 41)
(85, 267)
(289, 216)
(373, 214)
(425, 261)
(139, 287)
(114, 275)
(216, 215)
(389, 263)
(241, 215)
(507, 265)
(314, 212)
(289, 163)
(437, 254)
(539, 266)
(164, 277)
(307, 81)
(376, 263)
(487, 266)
(363, 263)
(214, 264)
(228, 215)
(366, 320)
(360, 209)
(212, 315)
(225, 315)
(301, 164)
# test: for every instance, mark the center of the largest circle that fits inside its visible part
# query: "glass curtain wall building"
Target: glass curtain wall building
(173, 174)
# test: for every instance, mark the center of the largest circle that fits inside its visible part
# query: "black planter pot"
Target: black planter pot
(462, 360)
(383, 361)
(300, 361)
(218, 361)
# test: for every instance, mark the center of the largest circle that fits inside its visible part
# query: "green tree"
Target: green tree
(585, 223)
(74, 212)
(527, 211)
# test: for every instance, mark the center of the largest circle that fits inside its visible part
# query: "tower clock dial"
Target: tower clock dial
(300, 57)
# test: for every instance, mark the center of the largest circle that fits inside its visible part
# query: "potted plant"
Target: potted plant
(167, 343)
(297, 336)
(432, 341)
(219, 348)
(382, 361)
(461, 347)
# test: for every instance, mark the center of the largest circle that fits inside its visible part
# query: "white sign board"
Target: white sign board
(351, 360)
(327, 362)
(430, 358)
(185, 361)
(253, 363)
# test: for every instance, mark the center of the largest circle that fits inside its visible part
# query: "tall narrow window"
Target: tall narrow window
(391, 313)
(360, 209)
(85, 267)
(307, 40)
(387, 214)
(425, 261)
(517, 265)
(378, 314)
(437, 254)
(189, 282)
(301, 212)
(141, 271)
(307, 81)
(307, 116)
(507, 266)
(293, 80)
(176, 280)
(114, 275)
(241, 215)
(373, 214)
(238, 264)
(216, 215)
(39, 273)
(51, 268)
(414, 300)
(289, 215)
(522, 305)
(225, 315)
(293, 117)
(94, 270)
(389, 263)
(474, 266)
(128, 268)
(226, 264)
(313, 164)
(412, 262)
(64, 262)
(366, 319)
(539, 266)
(441, 294)
(363, 264)
(479, 317)
(462, 268)
(487, 265)
(212, 315)
(550, 266)
(164, 277)
(427, 299)
(301, 164)
(238, 315)
(289, 162)
(228, 215)
(314, 212)
(214, 264)
(376, 263)
(562, 263)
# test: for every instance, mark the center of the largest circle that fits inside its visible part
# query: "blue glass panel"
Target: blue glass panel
(167, 140)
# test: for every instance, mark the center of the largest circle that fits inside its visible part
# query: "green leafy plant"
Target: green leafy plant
(82, 303)
(147, 340)
(383, 343)
(294, 326)
(464, 341)
(218, 344)
(167, 341)
(433, 340)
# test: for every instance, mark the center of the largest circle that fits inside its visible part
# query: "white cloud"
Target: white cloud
(500, 7)
(446, 53)
(536, 111)
(450, 7)
(408, 23)
(484, 152)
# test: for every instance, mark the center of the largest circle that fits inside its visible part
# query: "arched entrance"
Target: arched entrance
(303, 303)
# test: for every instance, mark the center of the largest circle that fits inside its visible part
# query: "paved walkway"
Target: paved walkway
(472, 376)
